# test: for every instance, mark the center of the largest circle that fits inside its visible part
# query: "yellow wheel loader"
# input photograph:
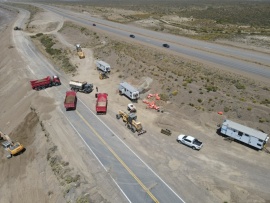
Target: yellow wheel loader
(130, 122)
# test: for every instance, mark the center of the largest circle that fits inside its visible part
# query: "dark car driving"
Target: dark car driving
(166, 45)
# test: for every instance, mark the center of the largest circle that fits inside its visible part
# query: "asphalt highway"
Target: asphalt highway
(232, 58)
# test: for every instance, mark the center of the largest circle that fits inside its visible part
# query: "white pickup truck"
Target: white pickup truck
(190, 141)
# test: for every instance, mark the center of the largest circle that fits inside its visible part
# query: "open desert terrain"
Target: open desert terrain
(57, 166)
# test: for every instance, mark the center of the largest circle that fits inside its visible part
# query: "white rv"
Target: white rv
(103, 66)
(128, 90)
(244, 134)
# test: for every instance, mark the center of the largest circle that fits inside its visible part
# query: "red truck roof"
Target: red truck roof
(70, 100)
(101, 105)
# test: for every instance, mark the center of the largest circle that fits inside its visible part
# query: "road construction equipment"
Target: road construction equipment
(15, 148)
(130, 122)
(79, 51)
(103, 75)
(166, 132)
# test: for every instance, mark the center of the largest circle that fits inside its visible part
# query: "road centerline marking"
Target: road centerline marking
(119, 159)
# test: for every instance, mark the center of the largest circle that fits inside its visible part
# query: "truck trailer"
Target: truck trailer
(45, 82)
(81, 86)
(103, 66)
(128, 90)
(101, 103)
(70, 100)
(244, 134)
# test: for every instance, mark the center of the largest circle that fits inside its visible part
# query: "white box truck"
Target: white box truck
(128, 90)
(103, 66)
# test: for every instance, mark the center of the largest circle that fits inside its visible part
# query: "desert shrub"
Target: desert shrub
(67, 66)
(175, 92)
(164, 97)
(199, 100)
(47, 41)
(188, 80)
(53, 51)
(189, 91)
(242, 99)
(266, 101)
(262, 120)
(190, 104)
(249, 108)
(83, 199)
(211, 88)
(238, 85)
(226, 109)
(39, 34)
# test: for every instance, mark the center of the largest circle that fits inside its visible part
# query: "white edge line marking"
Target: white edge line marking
(94, 155)
(133, 152)
(92, 152)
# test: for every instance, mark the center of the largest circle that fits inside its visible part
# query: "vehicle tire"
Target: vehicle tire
(193, 148)
(118, 116)
(133, 129)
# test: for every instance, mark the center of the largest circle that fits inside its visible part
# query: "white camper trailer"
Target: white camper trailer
(103, 66)
(129, 91)
(244, 134)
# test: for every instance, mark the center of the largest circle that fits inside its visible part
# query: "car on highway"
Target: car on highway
(190, 141)
(166, 45)
(132, 36)
(94, 24)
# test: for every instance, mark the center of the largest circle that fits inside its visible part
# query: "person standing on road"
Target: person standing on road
(97, 89)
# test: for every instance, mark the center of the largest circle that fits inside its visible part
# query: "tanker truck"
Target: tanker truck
(81, 86)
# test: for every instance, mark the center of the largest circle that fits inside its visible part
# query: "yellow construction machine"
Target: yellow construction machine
(130, 122)
(103, 75)
(79, 51)
(15, 148)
